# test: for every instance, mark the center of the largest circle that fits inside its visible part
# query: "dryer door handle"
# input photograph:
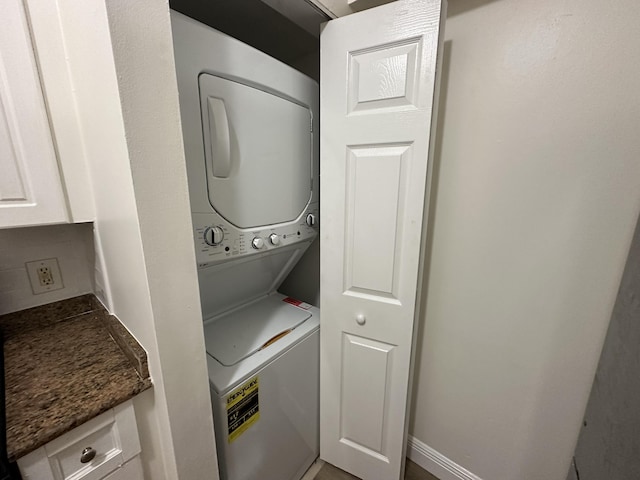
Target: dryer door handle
(219, 137)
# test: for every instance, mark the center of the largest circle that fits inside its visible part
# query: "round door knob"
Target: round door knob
(311, 219)
(213, 236)
(361, 319)
(88, 454)
(257, 243)
(274, 239)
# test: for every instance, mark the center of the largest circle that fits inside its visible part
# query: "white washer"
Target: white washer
(282, 442)
(252, 163)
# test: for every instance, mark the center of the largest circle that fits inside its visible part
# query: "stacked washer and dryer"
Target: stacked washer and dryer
(251, 144)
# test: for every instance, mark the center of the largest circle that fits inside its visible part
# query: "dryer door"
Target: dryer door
(258, 153)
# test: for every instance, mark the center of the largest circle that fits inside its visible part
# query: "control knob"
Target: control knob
(257, 243)
(213, 236)
(311, 220)
(274, 239)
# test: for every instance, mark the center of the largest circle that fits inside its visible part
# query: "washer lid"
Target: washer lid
(239, 334)
(258, 152)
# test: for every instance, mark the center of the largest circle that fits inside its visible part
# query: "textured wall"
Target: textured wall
(609, 443)
(537, 195)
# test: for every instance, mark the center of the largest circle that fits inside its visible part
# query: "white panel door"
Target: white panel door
(30, 187)
(377, 87)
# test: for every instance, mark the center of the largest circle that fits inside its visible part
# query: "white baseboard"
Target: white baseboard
(436, 463)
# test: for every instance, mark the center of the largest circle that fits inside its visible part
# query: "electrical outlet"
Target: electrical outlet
(44, 275)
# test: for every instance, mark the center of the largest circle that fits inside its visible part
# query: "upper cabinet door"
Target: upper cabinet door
(377, 87)
(30, 187)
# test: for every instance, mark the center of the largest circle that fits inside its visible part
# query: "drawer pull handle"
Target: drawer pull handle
(88, 454)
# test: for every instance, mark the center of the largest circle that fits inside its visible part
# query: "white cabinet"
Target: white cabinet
(105, 447)
(30, 187)
(33, 190)
(129, 471)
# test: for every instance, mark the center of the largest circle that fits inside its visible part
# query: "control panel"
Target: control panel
(217, 240)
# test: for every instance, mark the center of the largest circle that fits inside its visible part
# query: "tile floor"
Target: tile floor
(413, 472)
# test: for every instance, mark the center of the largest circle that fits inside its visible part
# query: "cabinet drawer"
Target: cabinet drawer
(132, 470)
(113, 437)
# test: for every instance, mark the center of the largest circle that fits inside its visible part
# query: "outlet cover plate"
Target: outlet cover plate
(44, 275)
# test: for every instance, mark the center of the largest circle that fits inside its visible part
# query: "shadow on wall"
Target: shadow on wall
(609, 440)
(303, 283)
(456, 7)
(431, 215)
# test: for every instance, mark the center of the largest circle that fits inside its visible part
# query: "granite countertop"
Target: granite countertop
(65, 363)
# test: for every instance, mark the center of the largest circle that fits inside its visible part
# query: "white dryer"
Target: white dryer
(251, 145)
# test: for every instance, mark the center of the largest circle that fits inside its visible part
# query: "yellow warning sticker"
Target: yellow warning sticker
(243, 408)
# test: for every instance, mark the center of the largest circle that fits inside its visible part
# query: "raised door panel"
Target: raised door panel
(30, 186)
(378, 82)
(365, 397)
(375, 201)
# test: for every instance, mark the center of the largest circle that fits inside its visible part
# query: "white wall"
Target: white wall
(537, 194)
(144, 59)
(72, 245)
(121, 64)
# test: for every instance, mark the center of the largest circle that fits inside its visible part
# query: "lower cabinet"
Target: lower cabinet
(132, 470)
(105, 447)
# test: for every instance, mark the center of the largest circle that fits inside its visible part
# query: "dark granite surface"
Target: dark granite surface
(65, 363)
